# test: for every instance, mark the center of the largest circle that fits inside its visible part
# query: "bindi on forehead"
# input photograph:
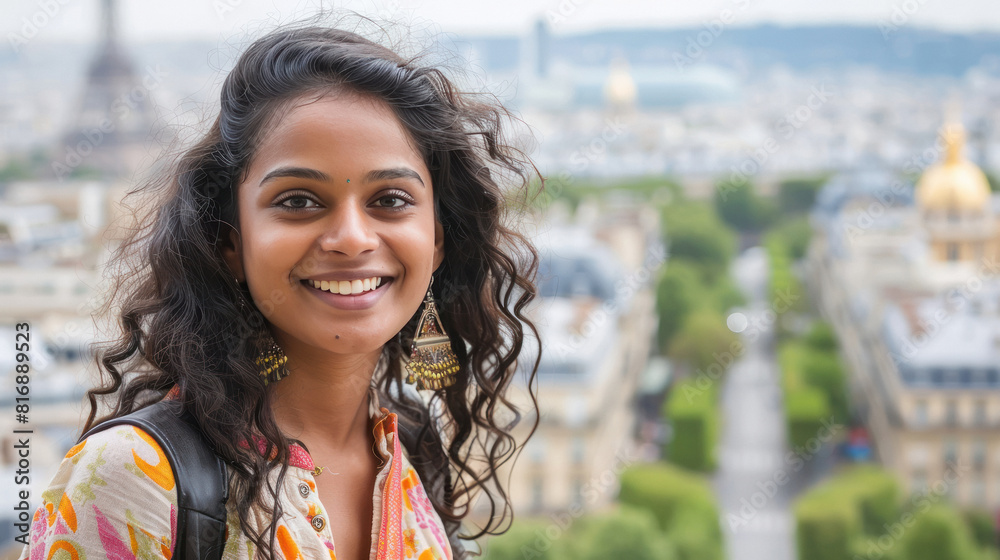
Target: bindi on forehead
(399, 172)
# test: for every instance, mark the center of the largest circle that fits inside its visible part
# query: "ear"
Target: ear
(232, 252)
(438, 244)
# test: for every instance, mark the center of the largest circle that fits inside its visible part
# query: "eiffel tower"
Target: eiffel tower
(115, 121)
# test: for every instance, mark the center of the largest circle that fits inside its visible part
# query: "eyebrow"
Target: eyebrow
(297, 172)
(317, 175)
(392, 173)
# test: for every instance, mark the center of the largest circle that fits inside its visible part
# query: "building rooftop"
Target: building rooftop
(949, 340)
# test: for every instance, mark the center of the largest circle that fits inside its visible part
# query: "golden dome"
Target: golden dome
(620, 89)
(955, 183)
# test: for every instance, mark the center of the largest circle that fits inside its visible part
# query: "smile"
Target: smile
(347, 287)
(366, 296)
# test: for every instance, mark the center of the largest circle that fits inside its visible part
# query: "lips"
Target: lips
(346, 287)
(362, 300)
(364, 285)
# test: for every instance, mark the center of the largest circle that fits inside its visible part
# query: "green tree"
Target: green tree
(847, 516)
(627, 532)
(797, 195)
(694, 232)
(784, 287)
(822, 337)
(738, 205)
(572, 191)
(823, 371)
(678, 292)
(85, 172)
(938, 534)
(980, 522)
(725, 295)
(682, 289)
(993, 182)
(15, 170)
(795, 234)
(826, 529)
(704, 340)
(805, 411)
(684, 506)
(524, 539)
(694, 537)
(692, 412)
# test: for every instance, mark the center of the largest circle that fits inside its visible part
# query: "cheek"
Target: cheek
(270, 250)
(417, 247)
(276, 244)
(417, 252)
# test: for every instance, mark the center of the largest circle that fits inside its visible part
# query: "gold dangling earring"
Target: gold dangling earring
(432, 363)
(272, 359)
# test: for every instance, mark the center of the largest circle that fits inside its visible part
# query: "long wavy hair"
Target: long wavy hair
(176, 309)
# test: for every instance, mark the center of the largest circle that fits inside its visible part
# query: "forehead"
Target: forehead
(344, 127)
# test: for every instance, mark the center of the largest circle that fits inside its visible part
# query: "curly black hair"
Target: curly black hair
(178, 309)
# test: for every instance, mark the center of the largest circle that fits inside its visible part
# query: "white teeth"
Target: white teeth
(345, 287)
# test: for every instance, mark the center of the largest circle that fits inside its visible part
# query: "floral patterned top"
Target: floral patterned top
(113, 496)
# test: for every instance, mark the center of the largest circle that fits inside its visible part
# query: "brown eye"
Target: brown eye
(399, 201)
(392, 198)
(297, 202)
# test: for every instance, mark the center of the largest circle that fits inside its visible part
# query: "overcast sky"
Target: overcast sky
(213, 19)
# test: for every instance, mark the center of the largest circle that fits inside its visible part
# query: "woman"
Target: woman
(275, 291)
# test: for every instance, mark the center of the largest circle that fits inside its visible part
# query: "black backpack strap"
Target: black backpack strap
(200, 476)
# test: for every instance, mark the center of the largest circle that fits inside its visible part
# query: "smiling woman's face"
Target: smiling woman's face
(337, 194)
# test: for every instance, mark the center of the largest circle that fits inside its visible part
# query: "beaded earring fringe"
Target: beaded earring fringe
(432, 363)
(271, 361)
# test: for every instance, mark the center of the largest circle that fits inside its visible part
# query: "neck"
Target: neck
(325, 397)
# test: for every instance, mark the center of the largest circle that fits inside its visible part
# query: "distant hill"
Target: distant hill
(900, 49)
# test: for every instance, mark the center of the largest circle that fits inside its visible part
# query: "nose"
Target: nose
(349, 230)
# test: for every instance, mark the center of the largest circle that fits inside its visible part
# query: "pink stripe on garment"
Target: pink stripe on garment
(390, 538)
(38, 534)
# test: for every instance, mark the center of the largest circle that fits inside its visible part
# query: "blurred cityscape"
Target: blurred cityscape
(770, 288)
